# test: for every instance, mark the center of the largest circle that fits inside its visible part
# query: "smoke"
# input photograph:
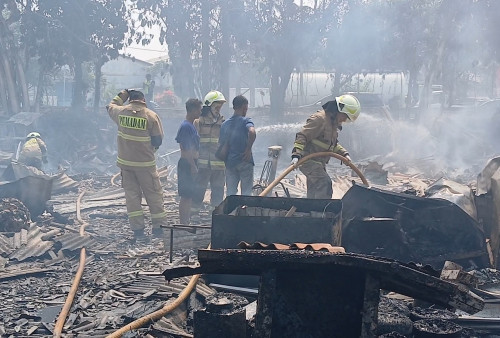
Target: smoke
(455, 145)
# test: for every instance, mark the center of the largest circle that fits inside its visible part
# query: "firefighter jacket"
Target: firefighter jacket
(208, 127)
(140, 133)
(147, 87)
(33, 148)
(319, 134)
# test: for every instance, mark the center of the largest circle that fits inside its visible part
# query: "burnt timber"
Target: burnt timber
(320, 294)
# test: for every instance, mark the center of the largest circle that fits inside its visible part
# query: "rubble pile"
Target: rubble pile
(121, 280)
(14, 215)
(398, 318)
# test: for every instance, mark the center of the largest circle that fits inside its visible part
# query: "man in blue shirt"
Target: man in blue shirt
(240, 134)
(187, 168)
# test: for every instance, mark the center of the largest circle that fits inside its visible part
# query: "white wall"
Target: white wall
(125, 72)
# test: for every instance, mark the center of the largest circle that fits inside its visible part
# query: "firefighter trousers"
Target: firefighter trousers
(319, 184)
(147, 182)
(216, 179)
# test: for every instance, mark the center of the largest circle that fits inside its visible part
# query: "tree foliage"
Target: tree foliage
(434, 41)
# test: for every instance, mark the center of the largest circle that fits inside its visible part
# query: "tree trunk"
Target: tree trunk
(39, 90)
(3, 93)
(205, 48)
(97, 84)
(23, 86)
(11, 86)
(279, 83)
(434, 65)
(78, 98)
(336, 83)
(225, 54)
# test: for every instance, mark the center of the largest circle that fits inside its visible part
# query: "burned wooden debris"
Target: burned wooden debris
(224, 315)
(298, 296)
(122, 281)
(37, 265)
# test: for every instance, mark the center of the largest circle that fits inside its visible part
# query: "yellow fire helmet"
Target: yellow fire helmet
(349, 105)
(213, 96)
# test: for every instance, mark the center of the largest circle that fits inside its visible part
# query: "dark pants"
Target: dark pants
(186, 185)
(216, 179)
(242, 174)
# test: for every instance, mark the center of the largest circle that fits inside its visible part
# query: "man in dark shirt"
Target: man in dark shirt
(189, 142)
(239, 131)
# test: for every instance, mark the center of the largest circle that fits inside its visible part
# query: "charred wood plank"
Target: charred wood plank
(265, 305)
(370, 307)
(392, 275)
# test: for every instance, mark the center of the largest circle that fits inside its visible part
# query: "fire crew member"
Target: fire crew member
(140, 134)
(34, 151)
(319, 134)
(148, 87)
(210, 169)
(189, 142)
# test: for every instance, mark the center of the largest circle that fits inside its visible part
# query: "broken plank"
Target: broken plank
(24, 272)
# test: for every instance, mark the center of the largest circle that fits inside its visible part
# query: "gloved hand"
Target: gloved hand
(124, 94)
(347, 158)
(295, 159)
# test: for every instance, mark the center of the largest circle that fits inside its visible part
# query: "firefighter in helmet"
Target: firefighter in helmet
(34, 151)
(210, 169)
(140, 134)
(320, 134)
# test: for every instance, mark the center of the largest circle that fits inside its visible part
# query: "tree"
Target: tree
(179, 23)
(13, 85)
(288, 36)
(84, 31)
(431, 37)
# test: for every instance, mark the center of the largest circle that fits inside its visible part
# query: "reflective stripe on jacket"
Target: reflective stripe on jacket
(136, 125)
(319, 134)
(208, 127)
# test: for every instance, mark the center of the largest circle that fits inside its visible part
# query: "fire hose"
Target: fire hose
(169, 307)
(308, 157)
(61, 319)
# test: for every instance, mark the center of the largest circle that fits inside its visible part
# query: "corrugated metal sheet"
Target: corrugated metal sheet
(73, 241)
(29, 244)
(5, 246)
(24, 118)
(35, 247)
(63, 183)
(294, 246)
